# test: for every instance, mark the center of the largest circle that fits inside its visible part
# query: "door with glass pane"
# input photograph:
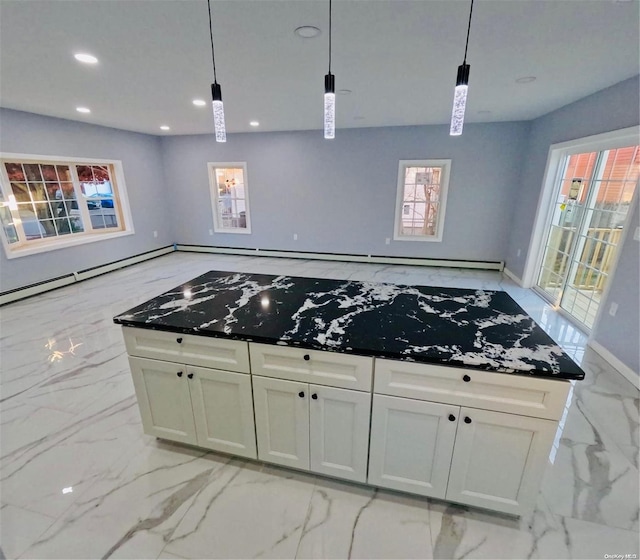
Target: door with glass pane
(594, 194)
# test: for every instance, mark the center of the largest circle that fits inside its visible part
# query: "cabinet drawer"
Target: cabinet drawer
(217, 353)
(540, 398)
(311, 366)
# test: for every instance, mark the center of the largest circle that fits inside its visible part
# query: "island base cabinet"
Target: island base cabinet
(164, 399)
(312, 427)
(411, 445)
(339, 432)
(499, 460)
(223, 410)
(282, 421)
(195, 405)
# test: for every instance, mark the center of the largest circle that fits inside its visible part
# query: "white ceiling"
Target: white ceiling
(398, 57)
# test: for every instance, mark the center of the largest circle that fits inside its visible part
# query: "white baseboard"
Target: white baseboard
(483, 265)
(512, 276)
(624, 369)
(73, 277)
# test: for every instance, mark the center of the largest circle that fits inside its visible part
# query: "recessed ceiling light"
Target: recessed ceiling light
(86, 58)
(344, 91)
(254, 123)
(83, 109)
(307, 31)
(526, 80)
(199, 102)
(165, 127)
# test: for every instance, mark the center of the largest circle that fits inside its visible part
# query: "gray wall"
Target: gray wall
(339, 196)
(141, 160)
(614, 108)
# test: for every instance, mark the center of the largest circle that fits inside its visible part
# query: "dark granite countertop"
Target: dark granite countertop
(478, 329)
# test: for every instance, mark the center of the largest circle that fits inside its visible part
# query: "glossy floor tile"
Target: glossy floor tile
(79, 479)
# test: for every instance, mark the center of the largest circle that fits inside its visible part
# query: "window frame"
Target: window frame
(215, 198)
(445, 165)
(26, 247)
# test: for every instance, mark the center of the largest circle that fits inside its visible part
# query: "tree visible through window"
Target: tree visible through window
(45, 202)
(421, 200)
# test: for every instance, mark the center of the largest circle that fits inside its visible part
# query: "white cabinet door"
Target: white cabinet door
(282, 421)
(163, 396)
(411, 445)
(499, 460)
(339, 432)
(223, 410)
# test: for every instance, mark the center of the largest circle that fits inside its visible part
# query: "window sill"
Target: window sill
(47, 245)
(232, 230)
(417, 238)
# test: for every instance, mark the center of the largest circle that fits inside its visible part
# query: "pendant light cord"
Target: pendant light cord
(213, 56)
(329, 36)
(468, 30)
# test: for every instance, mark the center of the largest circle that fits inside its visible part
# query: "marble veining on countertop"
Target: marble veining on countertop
(451, 326)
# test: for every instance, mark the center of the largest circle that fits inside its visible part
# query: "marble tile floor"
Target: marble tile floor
(79, 479)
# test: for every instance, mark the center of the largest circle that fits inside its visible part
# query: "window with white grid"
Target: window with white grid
(229, 197)
(421, 199)
(49, 202)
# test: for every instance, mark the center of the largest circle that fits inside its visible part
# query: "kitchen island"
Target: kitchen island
(420, 389)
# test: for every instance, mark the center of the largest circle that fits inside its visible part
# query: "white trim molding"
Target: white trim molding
(403, 164)
(557, 152)
(512, 276)
(632, 376)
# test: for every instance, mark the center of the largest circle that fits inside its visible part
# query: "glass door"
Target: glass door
(594, 194)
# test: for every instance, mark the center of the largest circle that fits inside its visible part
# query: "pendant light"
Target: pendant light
(460, 94)
(216, 93)
(329, 95)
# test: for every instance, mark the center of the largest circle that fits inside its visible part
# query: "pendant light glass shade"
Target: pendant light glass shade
(462, 87)
(218, 113)
(459, 100)
(329, 106)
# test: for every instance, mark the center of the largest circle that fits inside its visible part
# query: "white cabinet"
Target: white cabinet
(200, 406)
(499, 459)
(164, 399)
(223, 410)
(468, 436)
(311, 427)
(480, 455)
(339, 432)
(411, 445)
(205, 351)
(282, 421)
(335, 369)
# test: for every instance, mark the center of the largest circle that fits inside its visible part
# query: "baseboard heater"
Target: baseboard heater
(376, 259)
(73, 277)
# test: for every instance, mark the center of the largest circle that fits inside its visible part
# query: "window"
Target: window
(421, 200)
(229, 197)
(48, 203)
